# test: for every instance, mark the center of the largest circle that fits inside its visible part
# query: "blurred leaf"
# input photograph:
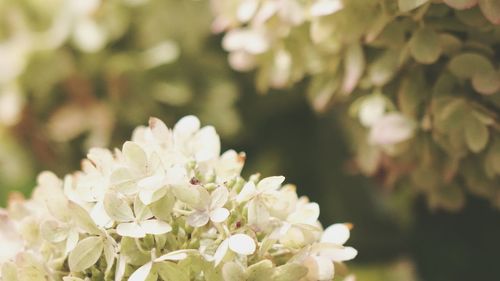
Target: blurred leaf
(408, 5)
(476, 134)
(466, 65)
(354, 65)
(425, 45)
(461, 4)
(486, 83)
(491, 10)
(384, 67)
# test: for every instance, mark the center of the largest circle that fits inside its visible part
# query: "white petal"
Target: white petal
(120, 268)
(241, 60)
(270, 183)
(130, 229)
(258, 215)
(155, 227)
(307, 214)
(266, 11)
(247, 192)
(242, 244)
(186, 127)
(326, 7)
(229, 165)
(256, 42)
(159, 129)
(177, 176)
(339, 254)
(219, 197)
(99, 215)
(246, 10)
(141, 273)
(219, 215)
(135, 156)
(371, 109)
(319, 268)
(198, 219)
(148, 196)
(153, 182)
(206, 144)
(337, 234)
(72, 240)
(89, 36)
(221, 251)
(175, 255)
(391, 129)
(233, 40)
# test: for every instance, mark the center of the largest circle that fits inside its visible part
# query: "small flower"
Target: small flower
(319, 258)
(210, 207)
(241, 244)
(259, 197)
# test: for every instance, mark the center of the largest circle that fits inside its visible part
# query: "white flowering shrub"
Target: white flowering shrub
(167, 206)
(420, 77)
(64, 60)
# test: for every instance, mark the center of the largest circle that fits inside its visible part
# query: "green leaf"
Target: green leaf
(494, 157)
(170, 271)
(289, 272)
(476, 134)
(491, 10)
(110, 252)
(190, 196)
(486, 83)
(425, 46)
(450, 44)
(117, 207)
(260, 271)
(86, 254)
(449, 114)
(69, 278)
(472, 17)
(82, 219)
(411, 94)
(466, 65)
(232, 271)
(408, 5)
(384, 67)
(141, 211)
(461, 4)
(130, 251)
(321, 91)
(163, 207)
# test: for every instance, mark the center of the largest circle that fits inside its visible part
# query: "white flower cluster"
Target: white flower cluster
(70, 20)
(260, 34)
(167, 206)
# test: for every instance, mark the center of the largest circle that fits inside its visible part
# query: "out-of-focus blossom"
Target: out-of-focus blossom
(390, 129)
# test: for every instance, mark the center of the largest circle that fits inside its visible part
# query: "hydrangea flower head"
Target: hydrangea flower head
(167, 206)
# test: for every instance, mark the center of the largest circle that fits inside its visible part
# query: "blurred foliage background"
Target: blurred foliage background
(76, 75)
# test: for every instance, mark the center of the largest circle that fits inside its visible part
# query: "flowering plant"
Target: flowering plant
(414, 73)
(167, 206)
(64, 60)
